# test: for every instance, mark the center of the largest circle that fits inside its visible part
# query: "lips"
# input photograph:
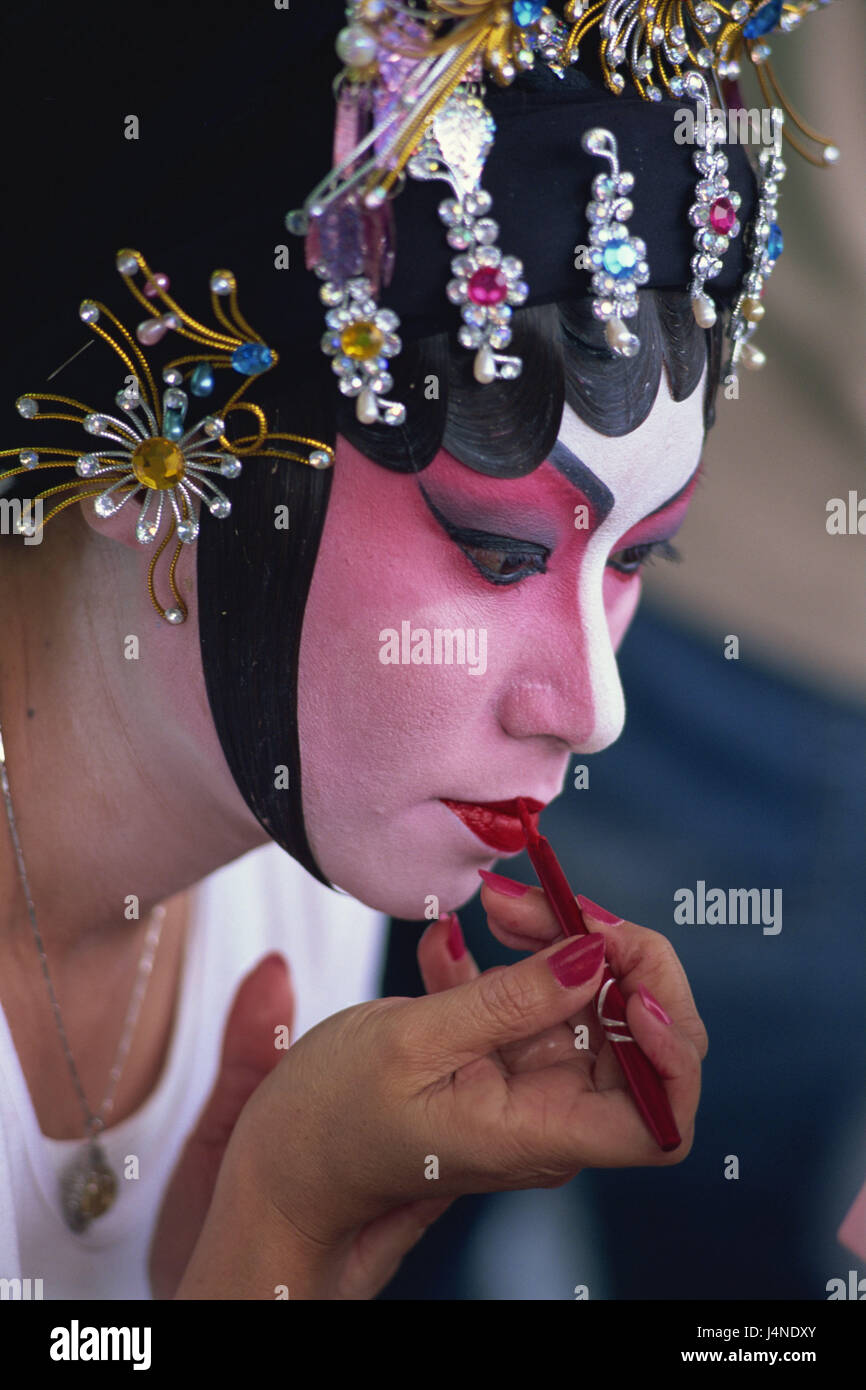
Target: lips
(496, 823)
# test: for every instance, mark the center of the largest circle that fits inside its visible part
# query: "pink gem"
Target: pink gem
(154, 330)
(722, 215)
(155, 284)
(487, 286)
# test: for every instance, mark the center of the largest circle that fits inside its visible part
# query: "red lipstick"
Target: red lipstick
(644, 1082)
(496, 823)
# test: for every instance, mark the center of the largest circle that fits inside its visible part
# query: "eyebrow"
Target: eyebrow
(601, 497)
(583, 478)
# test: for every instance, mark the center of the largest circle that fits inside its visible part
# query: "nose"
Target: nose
(565, 683)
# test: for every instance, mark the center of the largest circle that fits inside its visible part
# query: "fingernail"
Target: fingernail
(577, 961)
(455, 943)
(600, 914)
(500, 884)
(653, 1005)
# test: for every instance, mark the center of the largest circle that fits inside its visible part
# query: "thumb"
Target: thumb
(508, 1005)
(263, 1002)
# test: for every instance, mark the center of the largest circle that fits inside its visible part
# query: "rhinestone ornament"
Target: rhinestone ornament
(618, 260)
(713, 214)
(763, 247)
(486, 285)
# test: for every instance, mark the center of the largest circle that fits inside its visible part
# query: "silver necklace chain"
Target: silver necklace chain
(94, 1170)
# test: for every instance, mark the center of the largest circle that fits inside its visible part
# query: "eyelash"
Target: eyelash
(631, 559)
(534, 557)
(641, 555)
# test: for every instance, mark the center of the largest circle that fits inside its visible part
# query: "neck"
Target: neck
(121, 793)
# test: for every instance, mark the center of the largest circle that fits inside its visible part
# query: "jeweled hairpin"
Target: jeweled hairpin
(155, 452)
(713, 214)
(486, 284)
(401, 79)
(764, 245)
(617, 259)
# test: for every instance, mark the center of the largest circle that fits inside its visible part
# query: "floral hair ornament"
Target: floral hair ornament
(411, 104)
(150, 450)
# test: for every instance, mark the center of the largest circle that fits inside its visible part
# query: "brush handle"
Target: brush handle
(644, 1082)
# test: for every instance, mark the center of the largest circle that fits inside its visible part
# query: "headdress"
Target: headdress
(579, 146)
(412, 105)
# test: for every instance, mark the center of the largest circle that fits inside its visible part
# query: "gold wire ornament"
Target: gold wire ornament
(149, 450)
(654, 43)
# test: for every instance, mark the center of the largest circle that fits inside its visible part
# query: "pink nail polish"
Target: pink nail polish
(500, 884)
(455, 942)
(577, 961)
(600, 914)
(653, 1005)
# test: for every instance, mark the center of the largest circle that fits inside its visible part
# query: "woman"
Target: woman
(523, 512)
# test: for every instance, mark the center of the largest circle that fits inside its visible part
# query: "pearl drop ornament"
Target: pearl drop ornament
(619, 339)
(753, 310)
(753, 357)
(704, 311)
(484, 366)
(366, 407)
(356, 46)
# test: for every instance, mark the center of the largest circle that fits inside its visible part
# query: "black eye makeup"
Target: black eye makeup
(634, 557)
(503, 559)
(498, 559)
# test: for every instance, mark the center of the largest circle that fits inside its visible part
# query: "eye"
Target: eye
(498, 559)
(634, 557)
(506, 562)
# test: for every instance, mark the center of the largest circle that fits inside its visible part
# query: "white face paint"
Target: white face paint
(382, 745)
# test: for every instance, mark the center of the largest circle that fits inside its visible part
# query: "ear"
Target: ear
(121, 525)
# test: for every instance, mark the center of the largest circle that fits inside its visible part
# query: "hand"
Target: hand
(263, 1001)
(640, 958)
(483, 1075)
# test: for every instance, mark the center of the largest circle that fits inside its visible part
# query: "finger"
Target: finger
(638, 957)
(443, 958)
(569, 1128)
(524, 923)
(466, 1023)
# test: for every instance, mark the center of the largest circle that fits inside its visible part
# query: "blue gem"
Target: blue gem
(619, 259)
(766, 19)
(525, 12)
(201, 382)
(251, 358)
(775, 242)
(172, 423)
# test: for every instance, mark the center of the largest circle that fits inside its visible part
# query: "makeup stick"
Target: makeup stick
(643, 1080)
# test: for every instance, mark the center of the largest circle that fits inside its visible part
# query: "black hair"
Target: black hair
(253, 579)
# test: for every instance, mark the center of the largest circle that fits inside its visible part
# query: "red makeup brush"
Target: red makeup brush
(643, 1080)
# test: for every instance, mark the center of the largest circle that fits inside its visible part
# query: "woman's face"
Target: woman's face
(535, 580)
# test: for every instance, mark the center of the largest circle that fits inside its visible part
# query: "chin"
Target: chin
(409, 895)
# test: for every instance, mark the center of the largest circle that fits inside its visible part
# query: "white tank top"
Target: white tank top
(262, 902)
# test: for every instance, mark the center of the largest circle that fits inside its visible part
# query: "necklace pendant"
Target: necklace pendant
(88, 1188)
